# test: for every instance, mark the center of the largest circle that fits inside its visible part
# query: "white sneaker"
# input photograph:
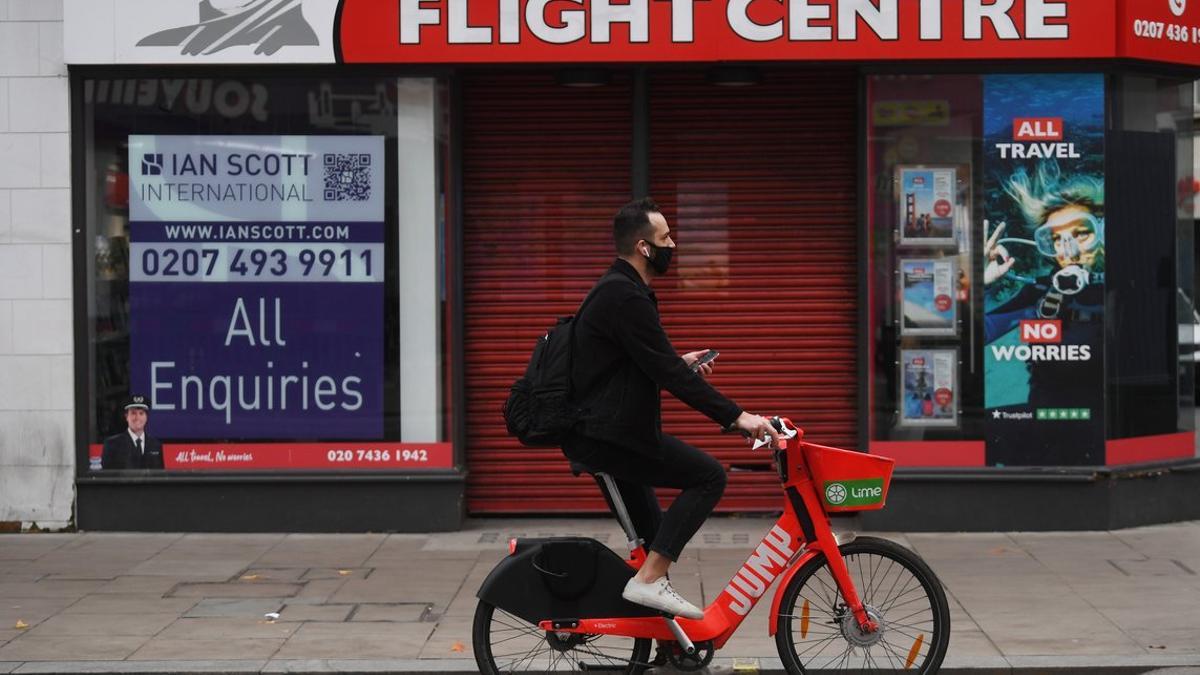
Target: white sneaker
(659, 595)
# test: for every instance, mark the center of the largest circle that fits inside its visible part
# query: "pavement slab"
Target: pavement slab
(394, 612)
(30, 610)
(75, 648)
(317, 592)
(262, 574)
(356, 641)
(163, 649)
(313, 551)
(226, 629)
(197, 570)
(141, 585)
(322, 573)
(31, 546)
(48, 588)
(78, 625)
(253, 608)
(238, 589)
(292, 612)
(130, 604)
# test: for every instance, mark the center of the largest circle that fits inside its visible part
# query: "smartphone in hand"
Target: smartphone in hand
(708, 356)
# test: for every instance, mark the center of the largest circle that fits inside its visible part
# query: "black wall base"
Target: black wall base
(1000, 500)
(413, 503)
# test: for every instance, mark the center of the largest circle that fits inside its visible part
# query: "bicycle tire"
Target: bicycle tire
(832, 625)
(535, 653)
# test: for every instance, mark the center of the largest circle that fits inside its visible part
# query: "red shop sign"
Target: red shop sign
(326, 456)
(477, 31)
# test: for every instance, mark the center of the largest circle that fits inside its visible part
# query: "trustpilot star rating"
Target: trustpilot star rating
(1067, 414)
(1047, 415)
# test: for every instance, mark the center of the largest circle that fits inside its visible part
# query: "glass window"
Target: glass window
(246, 250)
(923, 146)
(1151, 388)
(995, 280)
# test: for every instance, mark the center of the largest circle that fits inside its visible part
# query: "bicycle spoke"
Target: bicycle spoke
(888, 601)
(883, 580)
(821, 643)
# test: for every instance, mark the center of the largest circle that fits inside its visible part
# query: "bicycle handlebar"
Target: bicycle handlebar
(784, 426)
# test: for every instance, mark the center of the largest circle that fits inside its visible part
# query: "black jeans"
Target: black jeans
(695, 472)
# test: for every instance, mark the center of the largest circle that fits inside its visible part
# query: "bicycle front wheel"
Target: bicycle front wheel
(817, 632)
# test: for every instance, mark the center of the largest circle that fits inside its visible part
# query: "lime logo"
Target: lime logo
(835, 493)
(854, 492)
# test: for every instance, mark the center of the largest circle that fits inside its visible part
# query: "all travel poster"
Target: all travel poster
(1044, 269)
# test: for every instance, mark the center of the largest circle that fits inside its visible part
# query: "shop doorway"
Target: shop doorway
(759, 183)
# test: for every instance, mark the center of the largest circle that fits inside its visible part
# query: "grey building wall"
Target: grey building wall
(37, 459)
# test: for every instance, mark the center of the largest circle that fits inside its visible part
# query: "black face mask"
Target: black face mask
(661, 260)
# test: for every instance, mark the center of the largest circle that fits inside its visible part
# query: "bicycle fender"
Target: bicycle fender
(561, 577)
(777, 600)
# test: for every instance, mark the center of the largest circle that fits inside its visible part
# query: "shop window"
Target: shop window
(993, 271)
(1151, 360)
(924, 134)
(251, 244)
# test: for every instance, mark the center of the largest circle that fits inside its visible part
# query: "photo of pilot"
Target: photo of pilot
(133, 448)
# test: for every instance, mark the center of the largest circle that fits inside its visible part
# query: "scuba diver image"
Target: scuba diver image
(1050, 268)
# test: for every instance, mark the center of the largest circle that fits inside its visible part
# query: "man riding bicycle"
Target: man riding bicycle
(623, 361)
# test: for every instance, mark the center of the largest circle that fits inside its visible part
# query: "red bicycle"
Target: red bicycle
(863, 603)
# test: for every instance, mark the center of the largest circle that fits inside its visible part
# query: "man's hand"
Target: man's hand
(757, 427)
(691, 357)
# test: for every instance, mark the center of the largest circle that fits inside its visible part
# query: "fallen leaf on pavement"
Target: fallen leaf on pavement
(457, 647)
(344, 573)
(21, 625)
(250, 577)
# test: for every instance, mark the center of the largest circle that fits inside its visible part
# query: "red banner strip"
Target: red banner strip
(355, 455)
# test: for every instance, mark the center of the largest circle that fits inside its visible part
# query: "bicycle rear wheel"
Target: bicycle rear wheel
(817, 632)
(504, 643)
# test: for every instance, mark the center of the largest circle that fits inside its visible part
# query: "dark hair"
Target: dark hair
(631, 222)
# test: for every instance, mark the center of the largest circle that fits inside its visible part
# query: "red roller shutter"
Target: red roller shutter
(758, 183)
(544, 169)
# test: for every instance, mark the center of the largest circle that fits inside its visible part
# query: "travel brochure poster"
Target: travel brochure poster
(1043, 260)
(256, 286)
(927, 287)
(930, 387)
(927, 197)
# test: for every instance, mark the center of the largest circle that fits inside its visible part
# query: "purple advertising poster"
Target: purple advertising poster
(256, 285)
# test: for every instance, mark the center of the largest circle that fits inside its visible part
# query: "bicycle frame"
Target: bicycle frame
(800, 534)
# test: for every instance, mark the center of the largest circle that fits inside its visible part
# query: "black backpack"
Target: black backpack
(540, 410)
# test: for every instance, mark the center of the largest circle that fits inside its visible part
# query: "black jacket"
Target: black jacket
(120, 453)
(623, 359)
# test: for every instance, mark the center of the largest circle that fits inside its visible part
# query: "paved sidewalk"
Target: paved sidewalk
(1096, 602)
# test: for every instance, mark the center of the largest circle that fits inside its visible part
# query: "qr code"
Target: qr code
(347, 177)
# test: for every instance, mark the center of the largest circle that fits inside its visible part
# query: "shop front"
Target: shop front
(320, 238)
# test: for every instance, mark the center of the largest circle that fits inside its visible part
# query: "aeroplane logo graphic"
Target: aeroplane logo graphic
(266, 25)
